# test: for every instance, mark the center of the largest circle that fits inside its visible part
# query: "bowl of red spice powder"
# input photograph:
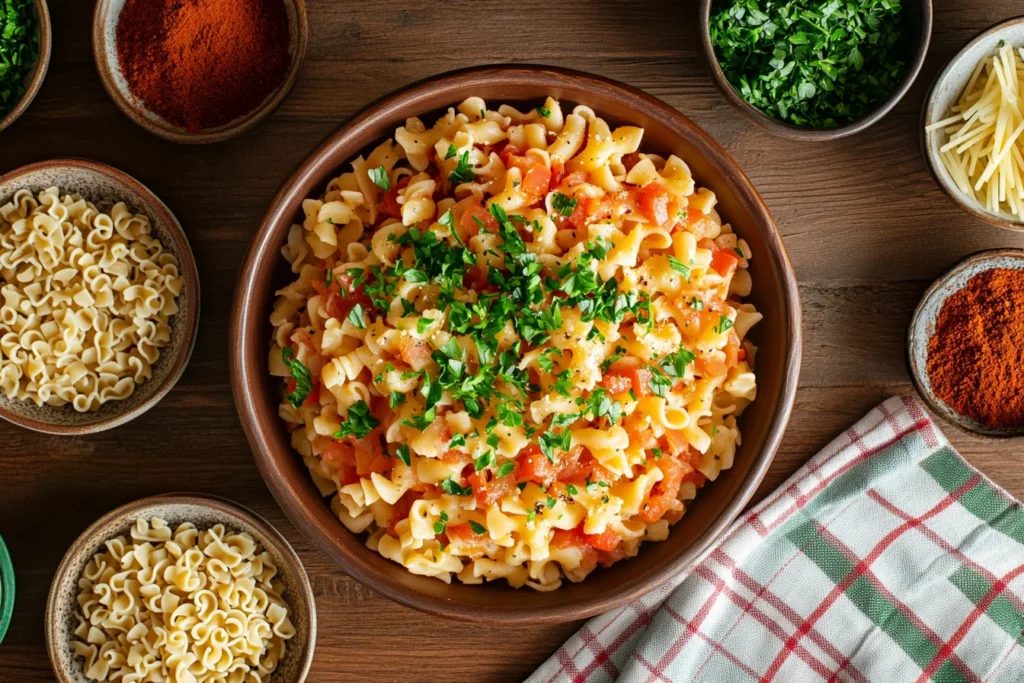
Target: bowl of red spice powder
(965, 345)
(199, 71)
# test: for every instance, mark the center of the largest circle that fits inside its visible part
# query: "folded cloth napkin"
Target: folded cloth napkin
(885, 558)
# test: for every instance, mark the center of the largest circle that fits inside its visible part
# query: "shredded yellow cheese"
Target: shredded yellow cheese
(983, 144)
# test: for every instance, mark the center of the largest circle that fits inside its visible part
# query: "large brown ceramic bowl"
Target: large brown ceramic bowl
(775, 293)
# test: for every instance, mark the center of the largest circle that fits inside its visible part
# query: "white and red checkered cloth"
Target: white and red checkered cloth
(885, 558)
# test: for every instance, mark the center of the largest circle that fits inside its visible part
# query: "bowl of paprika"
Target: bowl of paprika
(965, 345)
(199, 72)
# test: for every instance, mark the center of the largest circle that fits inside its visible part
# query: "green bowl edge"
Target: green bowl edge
(6, 589)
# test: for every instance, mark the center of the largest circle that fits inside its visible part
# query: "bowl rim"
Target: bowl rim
(189, 271)
(7, 588)
(243, 374)
(219, 505)
(927, 112)
(165, 130)
(42, 64)
(793, 132)
(917, 333)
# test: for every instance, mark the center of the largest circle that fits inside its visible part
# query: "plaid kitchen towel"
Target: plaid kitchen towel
(885, 558)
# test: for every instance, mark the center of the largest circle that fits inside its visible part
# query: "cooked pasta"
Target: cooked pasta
(85, 298)
(181, 606)
(514, 346)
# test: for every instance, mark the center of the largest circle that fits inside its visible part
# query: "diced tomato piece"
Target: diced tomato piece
(414, 351)
(654, 202)
(724, 262)
(504, 150)
(711, 365)
(606, 541)
(626, 374)
(388, 204)
(557, 173)
(461, 532)
(590, 209)
(676, 443)
(564, 538)
(664, 495)
(607, 559)
(696, 477)
(489, 491)
(532, 465)
(472, 217)
(536, 176)
(314, 395)
(342, 454)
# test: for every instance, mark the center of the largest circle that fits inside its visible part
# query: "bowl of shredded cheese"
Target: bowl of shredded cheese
(973, 127)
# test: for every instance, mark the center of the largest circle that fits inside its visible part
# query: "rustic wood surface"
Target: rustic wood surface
(866, 227)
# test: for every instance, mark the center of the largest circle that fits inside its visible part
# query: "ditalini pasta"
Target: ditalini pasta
(85, 299)
(982, 149)
(514, 345)
(181, 606)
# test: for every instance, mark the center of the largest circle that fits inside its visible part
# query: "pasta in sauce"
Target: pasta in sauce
(181, 606)
(85, 298)
(514, 346)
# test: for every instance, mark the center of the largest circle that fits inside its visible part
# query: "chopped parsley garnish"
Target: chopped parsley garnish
(300, 373)
(506, 468)
(457, 440)
(739, 252)
(403, 454)
(396, 399)
(379, 176)
(562, 204)
(696, 304)
(551, 502)
(552, 441)
(450, 486)
(544, 112)
(422, 324)
(359, 423)
(463, 171)
(485, 460)
(571, 489)
(477, 527)
(679, 267)
(356, 317)
(439, 526)
(723, 324)
(452, 151)
(656, 452)
(19, 51)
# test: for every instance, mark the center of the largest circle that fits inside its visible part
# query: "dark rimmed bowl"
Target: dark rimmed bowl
(104, 186)
(35, 80)
(104, 49)
(175, 508)
(257, 394)
(921, 21)
(944, 93)
(922, 327)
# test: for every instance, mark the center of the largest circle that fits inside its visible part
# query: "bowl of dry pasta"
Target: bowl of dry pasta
(181, 587)
(99, 297)
(492, 344)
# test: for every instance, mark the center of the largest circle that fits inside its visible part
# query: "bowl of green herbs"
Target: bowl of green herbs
(815, 69)
(24, 55)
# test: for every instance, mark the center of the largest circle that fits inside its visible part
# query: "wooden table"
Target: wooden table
(866, 227)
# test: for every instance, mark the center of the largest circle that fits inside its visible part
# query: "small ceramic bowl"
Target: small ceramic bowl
(916, 48)
(104, 186)
(35, 78)
(104, 48)
(944, 93)
(6, 589)
(922, 327)
(176, 508)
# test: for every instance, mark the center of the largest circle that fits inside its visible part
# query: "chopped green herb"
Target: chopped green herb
(301, 375)
(457, 440)
(422, 324)
(19, 51)
(572, 489)
(551, 501)
(463, 171)
(396, 399)
(452, 487)
(562, 204)
(723, 324)
(477, 527)
(452, 151)
(356, 317)
(360, 422)
(656, 452)
(544, 112)
(696, 304)
(506, 468)
(679, 267)
(379, 176)
(485, 460)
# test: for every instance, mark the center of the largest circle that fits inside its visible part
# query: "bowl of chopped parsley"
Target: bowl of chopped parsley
(815, 69)
(24, 55)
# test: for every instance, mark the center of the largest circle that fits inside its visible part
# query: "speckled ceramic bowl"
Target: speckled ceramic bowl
(944, 93)
(104, 186)
(176, 508)
(35, 79)
(104, 48)
(922, 327)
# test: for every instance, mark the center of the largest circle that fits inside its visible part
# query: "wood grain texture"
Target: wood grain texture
(866, 227)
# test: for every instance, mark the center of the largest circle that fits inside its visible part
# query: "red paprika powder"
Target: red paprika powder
(976, 356)
(202, 63)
